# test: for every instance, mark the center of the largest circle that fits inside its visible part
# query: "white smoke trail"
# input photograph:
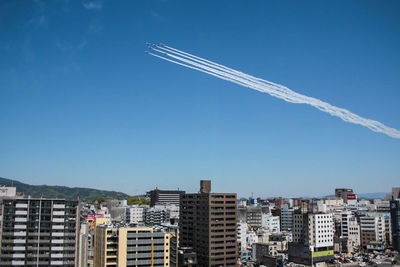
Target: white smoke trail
(220, 71)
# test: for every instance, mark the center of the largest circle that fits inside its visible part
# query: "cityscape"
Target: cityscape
(204, 228)
(174, 133)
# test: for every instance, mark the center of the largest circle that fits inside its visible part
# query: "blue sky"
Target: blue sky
(81, 104)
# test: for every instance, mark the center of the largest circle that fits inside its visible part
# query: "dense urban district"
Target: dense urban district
(176, 228)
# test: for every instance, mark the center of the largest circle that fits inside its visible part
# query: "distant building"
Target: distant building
(165, 197)
(159, 214)
(254, 216)
(207, 224)
(135, 214)
(48, 224)
(270, 223)
(131, 246)
(343, 192)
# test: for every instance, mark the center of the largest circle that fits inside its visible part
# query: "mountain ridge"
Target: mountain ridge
(57, 191)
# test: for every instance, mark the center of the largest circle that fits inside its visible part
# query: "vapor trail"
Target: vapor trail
(220, 71)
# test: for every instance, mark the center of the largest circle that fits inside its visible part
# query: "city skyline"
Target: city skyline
(83, 106)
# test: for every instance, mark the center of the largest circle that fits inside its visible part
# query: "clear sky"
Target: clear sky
(81, 104)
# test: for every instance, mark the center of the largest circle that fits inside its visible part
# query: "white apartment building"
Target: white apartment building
(242, 229)
(323, 230)
(159, 214)
(270, 223)
(345, 219)
(354, 232)
(374, 224)
(313, 229)
(286, 218)
(135, 213)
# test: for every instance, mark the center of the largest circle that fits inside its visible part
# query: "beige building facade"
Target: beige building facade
(136, 246)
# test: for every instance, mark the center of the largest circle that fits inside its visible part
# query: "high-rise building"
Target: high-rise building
(208, 224)
(312, 238)
(131, 246)
(165, 197)
(83, 245)
(39, 232)
(395, 219)
(286, 217)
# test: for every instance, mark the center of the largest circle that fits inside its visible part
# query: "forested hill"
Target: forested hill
(48, 191)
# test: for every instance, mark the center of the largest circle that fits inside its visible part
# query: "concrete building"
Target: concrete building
(286, 218)
(350, 228)
(83, 245)
(253, 216)
(159, 214)
(241, 235)
(372, 229)
(387, 231)
(126, 246)
(354, 234)
(39, 232)
(312, 238)
(262, 250)
(165, 197)
(343, 192)
(208, 224)
(135, 214)
(8, 192)
(270, 223)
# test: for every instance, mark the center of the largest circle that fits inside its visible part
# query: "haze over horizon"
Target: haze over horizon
(83, 106)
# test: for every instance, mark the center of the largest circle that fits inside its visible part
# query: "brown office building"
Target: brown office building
(165, 197)
(343, 192)
(208, 225)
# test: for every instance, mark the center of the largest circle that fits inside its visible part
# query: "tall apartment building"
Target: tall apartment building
(159, 214)
(253, 216)
(83, 245)
(354, 234)
(165, 197)
(135, 214)
(286, 218)
(39, 232)
(372, 229)
(208, 224)
(395, 219)
(350, 228)
(345, 221)
(127, 246)
(312, 238)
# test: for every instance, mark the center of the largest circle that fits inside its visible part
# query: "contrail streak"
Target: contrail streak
(188, 60)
